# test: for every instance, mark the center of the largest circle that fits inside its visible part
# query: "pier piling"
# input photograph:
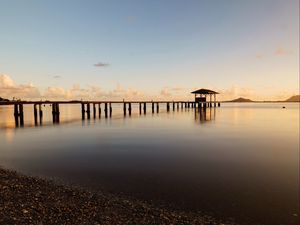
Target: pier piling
(129, 108)
(124, 108)
(82, 111)
(16, 114)
(35, 114)
(152, 107)
(99, 110)
(105, 109)
(110, 110)
(94, 110)
(88, 111)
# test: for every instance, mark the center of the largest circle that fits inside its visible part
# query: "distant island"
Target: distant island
(241, 100)
(295, 98)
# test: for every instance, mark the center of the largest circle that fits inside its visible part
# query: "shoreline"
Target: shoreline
(31, 200)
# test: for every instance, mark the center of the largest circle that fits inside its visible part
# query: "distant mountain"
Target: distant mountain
(295, 98)
(241, 100)
(4, 100)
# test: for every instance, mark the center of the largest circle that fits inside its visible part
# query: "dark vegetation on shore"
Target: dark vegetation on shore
(29, 200)
(295, 98)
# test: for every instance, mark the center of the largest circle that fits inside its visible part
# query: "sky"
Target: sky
(140, 49)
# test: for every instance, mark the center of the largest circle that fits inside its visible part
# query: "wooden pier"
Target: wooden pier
(91, 106)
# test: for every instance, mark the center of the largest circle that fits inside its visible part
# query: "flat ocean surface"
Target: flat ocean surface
(239, 160)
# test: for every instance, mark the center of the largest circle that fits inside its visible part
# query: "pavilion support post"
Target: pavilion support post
(168, 106)
(145, 108)
(219, 104)
(88, 111)
(173, 106)
(129, 108)
(105, 109)
(157, 107)
(16, 114)
(152, 107)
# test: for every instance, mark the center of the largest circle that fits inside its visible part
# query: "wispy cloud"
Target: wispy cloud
(101, 64)
(283, 51)
(131, 19)
(56, 77)
(259, 56)
(9, 89)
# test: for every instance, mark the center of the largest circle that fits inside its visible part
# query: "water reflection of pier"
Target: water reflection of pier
(203, 115)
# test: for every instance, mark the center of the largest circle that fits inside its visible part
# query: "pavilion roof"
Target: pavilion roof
(204, 91)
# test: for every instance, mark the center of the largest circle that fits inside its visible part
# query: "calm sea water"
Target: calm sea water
(240, 160)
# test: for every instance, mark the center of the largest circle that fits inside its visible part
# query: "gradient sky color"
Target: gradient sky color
(159, 48)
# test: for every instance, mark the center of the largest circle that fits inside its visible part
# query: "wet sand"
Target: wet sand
(32, 200)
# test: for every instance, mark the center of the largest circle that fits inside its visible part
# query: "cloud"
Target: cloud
(235, 92)
(165, 92)
(9, 89)
(174, 93)
(259, 56)
(56, 76)
(100, 64)
(121, 93)
(283, 51)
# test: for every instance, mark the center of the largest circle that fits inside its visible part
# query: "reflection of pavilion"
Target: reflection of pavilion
(205, 114)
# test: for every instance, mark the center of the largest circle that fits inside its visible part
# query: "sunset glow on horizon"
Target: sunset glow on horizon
(65, 50)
